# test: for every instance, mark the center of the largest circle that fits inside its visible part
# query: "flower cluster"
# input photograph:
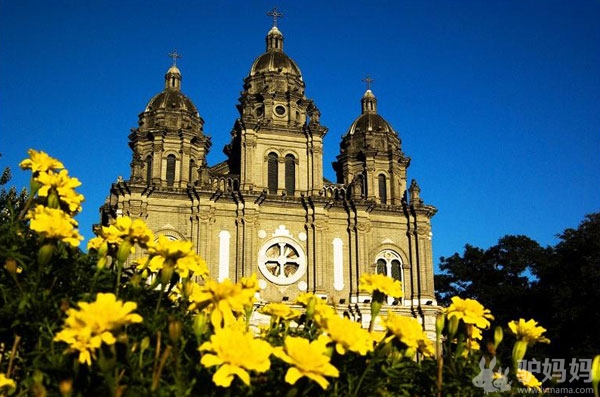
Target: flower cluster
(94, 323)
(226, 301)
(53, 223)
(316, 347)
(52, 182)
(473, 315)
(309, 359)
(118, 239)
(169, 257)
(408, 331)
(235, 351)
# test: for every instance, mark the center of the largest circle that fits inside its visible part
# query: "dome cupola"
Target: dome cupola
(371, 159)
(370, 130)
(169, 144)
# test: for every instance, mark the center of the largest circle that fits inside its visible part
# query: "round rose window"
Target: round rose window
(282, 261)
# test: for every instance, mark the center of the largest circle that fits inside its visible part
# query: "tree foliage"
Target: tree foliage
(517, 277)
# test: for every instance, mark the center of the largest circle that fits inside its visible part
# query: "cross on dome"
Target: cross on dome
(368, 80)
(175, 55)
(275, 14)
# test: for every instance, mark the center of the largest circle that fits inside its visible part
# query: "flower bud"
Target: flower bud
(519, 351)
(199, 325)
(53, 201)
(145, 344)
(452, 327)
(410, 352)
(440, 322)
(166, 274)
(45, 254)
(103, 249)
(65, 387)
(11, 266)
(498, 336)
(124, 251)
(174, 330)
(102, 262)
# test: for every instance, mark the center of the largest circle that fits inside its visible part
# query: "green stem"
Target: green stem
(119, 273)
(364, 374)
(162, 291)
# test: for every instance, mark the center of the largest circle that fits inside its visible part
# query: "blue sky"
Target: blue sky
(496, 102)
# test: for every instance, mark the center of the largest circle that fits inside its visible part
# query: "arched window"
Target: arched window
(171, 169)
(382, 189)
(148, 170)
(290, 174)
(272, 171)
(193, 171)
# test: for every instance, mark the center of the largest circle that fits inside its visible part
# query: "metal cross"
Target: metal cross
(368, 80)
(175, 55)
(275, 14)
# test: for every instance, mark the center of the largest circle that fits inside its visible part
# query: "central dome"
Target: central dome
(274, 60)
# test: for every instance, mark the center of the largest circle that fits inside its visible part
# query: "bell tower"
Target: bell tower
(169, 145)
(371, 159)
(277, 142)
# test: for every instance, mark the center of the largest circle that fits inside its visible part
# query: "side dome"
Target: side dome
(370, 130)
(171, 98)
(274, 60)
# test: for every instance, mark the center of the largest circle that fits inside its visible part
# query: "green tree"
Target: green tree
(499, 277)
(569, 284)
(11, 201)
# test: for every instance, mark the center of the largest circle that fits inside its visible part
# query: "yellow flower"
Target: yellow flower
(54, 223)
(87, 328)
(528, 331)
(280, 311)
(6, 382)
(305, 298)
(528, 379)
(225, 299)
(379, 282)
(40, 162)
(410, 332)
(124, 228)
(348, 335)
(179, 256)
(63, 185)
(470, 311)
(236, 352)
(316, 308)
(97, 244)
(308, 359)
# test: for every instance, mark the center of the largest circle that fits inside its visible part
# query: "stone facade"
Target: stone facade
(267, 209)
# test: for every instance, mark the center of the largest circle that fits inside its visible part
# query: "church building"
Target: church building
(267, 209)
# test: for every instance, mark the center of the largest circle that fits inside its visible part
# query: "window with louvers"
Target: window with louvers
(290, 174)
(193, 173)
(171, 169)
(149, 170)
(272, 171)
(382, 189)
